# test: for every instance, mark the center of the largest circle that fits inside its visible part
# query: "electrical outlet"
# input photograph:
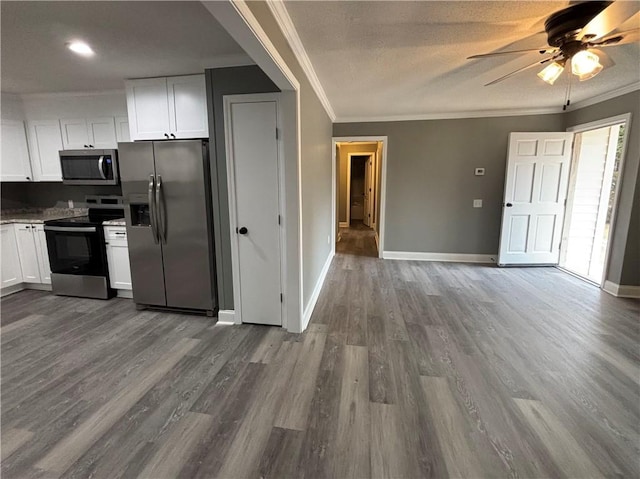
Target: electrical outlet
(477, 203)
(479, 171)
(70, 202)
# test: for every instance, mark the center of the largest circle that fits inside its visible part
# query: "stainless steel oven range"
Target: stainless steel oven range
(77, 252)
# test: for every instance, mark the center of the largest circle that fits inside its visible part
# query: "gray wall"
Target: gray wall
(47, 195)
(431, 184)
(220, 82)
(624, 265)
(315, 126)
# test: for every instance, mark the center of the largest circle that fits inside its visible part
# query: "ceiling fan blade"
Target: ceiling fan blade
(609, 19)
(546, 60)
(629, 36)
(542, 50)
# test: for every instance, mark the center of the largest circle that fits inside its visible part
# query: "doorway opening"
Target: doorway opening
(594, 182)
(358, 196)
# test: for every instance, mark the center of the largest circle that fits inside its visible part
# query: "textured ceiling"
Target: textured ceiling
(395, 59)
(131, 39)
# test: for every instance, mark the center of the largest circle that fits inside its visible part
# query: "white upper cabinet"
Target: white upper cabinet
(80, 133)
(14, 164)
(122, 129)
(188, 106)
(102, 133)
(74, 133)
(45, 141)
(148, 108)
(167, 108)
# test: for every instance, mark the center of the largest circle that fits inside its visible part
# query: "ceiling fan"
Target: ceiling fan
(574, 36)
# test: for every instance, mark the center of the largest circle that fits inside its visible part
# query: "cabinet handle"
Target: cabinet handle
(28, 178)
(86, 146)
(173, 135)
(91, 146)
(166, 136)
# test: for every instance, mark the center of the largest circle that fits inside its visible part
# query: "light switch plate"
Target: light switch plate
(477, 203)
(479, 171)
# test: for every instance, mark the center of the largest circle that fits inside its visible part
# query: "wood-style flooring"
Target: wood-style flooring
(407, 370)
(358, 240)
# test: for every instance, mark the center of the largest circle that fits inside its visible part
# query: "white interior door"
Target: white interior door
(534, 198)
(368, 194)
(253, 174)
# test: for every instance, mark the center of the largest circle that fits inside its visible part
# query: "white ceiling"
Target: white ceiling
(388, 59)
(131, 40)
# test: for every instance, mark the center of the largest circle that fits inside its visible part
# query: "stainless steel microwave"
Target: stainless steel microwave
(89, 167)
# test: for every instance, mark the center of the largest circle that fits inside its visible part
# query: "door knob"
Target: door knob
(509, 205)
(243, 230)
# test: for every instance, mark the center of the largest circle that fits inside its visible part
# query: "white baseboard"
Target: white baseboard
(124, 293)
(37, 286)
(621, 290)
(308, 311)
(22, 286)
(447, 257)
(343, 224)
(226, 316)
(11, 289)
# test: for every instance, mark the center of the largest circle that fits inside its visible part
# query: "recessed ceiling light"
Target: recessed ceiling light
(80, 48)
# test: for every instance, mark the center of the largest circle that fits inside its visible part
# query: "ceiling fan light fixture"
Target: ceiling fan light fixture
(585, 65)
(591, 74)
(551, 72)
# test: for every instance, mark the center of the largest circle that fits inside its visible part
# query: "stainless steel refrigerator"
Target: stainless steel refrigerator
(166, 190)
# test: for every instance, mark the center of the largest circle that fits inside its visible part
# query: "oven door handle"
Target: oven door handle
(100, 169)
(71, 229)
(152, 209)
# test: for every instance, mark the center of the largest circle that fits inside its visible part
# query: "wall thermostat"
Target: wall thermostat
(479, 171)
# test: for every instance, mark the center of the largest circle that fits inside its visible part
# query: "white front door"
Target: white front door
(253, 176)
(534, 198)
(367, 192)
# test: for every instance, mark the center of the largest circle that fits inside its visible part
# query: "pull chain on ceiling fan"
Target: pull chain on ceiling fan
(572, 34)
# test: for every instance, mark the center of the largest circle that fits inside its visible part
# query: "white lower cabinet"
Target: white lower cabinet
(11, 273)
(25, 258)
(43, 254)
(28, 252)
(118, 257)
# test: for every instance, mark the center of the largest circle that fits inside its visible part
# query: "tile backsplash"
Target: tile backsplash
(48, 195)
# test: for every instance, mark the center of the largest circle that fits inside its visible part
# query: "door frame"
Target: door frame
(228, 100)
(383, 185)
(594, 125)
(370, 154)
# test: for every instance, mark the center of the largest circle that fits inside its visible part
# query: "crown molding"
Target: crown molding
(281, 15)
(605, 96)
(452, 115)
(68, 94)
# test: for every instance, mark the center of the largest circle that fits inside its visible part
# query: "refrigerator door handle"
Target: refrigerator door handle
(152, 210)
(160, 211)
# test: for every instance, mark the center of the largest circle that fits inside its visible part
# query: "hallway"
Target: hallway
(358, 240)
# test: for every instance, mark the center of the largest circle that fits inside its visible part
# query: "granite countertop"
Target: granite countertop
(116, 222)
(35, 215)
